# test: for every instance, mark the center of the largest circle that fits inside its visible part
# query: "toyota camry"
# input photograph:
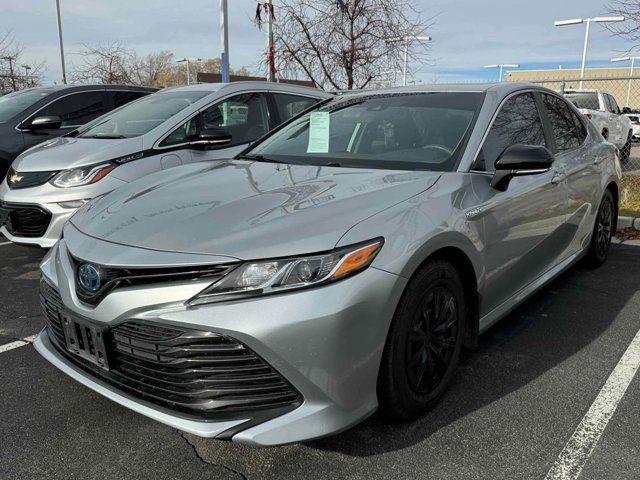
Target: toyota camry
(336, 267)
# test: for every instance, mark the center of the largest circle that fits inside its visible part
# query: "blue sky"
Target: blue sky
(467, 33)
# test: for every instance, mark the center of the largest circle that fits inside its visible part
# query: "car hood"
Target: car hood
(68, 152)
(247, 210)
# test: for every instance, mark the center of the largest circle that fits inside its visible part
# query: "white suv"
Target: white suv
(601, 108)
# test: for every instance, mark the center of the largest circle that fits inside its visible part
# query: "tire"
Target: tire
(602, 232)
(424, 342)
(625, 152)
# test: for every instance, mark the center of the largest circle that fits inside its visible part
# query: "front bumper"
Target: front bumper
(47, 199)
(52, 229)
(326, 342)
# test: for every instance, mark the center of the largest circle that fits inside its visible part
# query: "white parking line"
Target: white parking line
(5, 243)
(18, 343)
(577, 451)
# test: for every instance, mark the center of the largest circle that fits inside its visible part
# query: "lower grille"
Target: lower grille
(191, 371)
(26, 221)
(52, 307)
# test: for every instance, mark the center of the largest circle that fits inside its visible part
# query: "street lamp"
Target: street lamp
(406, 41)
(500, 66)
(187, 60)
(633, 61)
(26, 73)
(576, 21)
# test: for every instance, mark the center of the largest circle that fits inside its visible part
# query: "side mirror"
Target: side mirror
(211, 137)
(518, 160)
(49, 122)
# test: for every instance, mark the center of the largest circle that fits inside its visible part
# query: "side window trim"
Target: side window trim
(490, 125)
(34, 114)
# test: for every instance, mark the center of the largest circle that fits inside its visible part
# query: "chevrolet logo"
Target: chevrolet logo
(15, 178)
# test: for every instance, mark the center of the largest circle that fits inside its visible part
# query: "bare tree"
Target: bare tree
(151, 70)
(15, 72)
(346, 44)
(107, 63)
(630, 28)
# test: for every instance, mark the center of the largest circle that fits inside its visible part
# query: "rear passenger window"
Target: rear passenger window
(568, 130)
(76, 109)
(291, 105)
(120, 98)
(517, 122)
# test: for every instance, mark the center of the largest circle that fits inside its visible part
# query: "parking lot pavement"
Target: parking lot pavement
(515, 403)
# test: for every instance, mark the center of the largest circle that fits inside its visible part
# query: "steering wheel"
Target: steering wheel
(442, 148)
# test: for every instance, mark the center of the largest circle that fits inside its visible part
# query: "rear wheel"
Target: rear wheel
(602, 232)
(424, 342)
(625, 152)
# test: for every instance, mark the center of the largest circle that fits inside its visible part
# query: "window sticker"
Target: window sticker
(318, 133)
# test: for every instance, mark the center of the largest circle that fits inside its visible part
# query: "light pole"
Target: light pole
(576, 21)
(224, 42)
(407, 41)
(500, 66)
(633, 61)
(64, 71)
(26, 74)
(182, 60)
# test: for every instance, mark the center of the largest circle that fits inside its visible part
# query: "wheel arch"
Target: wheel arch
(460, 256)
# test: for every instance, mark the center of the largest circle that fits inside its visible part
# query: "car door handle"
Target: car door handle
(558, 177)
(599, 160)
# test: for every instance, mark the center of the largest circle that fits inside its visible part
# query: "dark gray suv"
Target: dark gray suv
(31, 116)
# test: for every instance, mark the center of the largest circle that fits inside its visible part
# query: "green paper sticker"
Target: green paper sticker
(318, 133)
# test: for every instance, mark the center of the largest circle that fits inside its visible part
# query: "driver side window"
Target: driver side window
(185, 132)
(517, 122)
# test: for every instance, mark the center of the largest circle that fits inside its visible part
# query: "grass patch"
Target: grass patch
(630, 196)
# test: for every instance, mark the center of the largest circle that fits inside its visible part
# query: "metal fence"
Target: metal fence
(623, 94)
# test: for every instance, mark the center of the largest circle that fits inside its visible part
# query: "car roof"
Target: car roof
(244, 85)
(73, 88)
(501, 88)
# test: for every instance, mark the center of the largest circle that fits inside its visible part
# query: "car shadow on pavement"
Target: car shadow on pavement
(557, 322)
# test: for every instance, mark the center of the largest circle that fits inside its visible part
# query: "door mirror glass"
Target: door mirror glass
(212, 137)
(49, 122)
(518, 160)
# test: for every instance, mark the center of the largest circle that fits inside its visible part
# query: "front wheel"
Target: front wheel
(424, 342)
(602, 232)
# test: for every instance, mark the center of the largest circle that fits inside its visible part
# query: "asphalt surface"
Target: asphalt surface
(515, 403)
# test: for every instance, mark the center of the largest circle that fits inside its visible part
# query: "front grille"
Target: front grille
(26, 220)
(194, 372)
(112, 278)
(17, 180)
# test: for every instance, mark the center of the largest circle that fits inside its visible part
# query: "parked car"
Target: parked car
(34, 115)
(634, 118)
(601, 108)
(337, 266)
(175, 126)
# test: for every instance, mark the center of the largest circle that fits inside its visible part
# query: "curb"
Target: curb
(628, 222)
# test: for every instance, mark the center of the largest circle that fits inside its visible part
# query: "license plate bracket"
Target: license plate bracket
(85, 340)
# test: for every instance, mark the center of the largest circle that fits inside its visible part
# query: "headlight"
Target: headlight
(82, 176)
(272, 276)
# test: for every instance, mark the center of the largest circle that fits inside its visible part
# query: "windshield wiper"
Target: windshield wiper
(107, 136)
(261, 158)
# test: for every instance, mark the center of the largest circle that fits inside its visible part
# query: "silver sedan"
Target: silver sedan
(336, 267)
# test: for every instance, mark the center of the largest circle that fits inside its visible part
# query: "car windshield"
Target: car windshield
(14, 103)
(633, 118)
(400, 131)
(588, 100)
(141, 116)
